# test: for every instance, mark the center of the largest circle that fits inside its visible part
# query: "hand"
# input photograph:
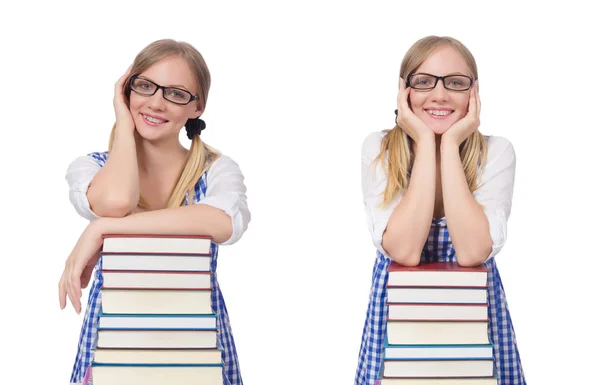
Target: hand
(462, 129)
(122, 114)
(407, 120)
(80, 265)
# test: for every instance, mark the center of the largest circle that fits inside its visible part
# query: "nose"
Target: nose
(157, 102)
(439, 93)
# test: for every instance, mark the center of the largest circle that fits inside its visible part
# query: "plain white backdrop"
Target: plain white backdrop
(296, 88)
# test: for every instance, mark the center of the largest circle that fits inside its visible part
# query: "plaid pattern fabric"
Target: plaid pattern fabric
(87, 339)
(439, 248)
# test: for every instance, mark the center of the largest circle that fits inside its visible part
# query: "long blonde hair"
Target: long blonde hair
(201, 156)
(397, 144)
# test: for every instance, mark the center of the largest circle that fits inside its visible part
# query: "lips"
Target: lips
(439, 113)
(153, 120)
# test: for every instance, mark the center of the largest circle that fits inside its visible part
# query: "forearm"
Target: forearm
(409, 224)
(197, 219)
(114, 191)
(466, 221)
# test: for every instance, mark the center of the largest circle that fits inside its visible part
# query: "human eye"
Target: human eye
(458, 82)
(422, 80)
(178, 95)
(143, 85)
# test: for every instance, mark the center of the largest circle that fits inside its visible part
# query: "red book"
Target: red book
(437, 274)
(156, 244)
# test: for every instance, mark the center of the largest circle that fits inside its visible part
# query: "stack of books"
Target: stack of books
(156, 324)
(437, 326)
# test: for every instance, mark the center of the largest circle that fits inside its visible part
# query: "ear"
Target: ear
(197, 112)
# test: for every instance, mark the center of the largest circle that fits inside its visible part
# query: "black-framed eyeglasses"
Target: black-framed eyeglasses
(424, 82)
(146, 87)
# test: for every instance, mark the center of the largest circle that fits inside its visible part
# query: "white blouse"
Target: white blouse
(495, 194)
(225, 190)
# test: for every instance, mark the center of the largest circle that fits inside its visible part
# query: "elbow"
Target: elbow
(409, 260)
(224, 229)
(402, 253)
(112, 206)
(473, 258)
(223, 235)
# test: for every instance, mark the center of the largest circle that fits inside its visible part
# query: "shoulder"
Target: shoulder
(500, 149)
(98, 157)
(222, 163)
(371, 146)
(91, 161)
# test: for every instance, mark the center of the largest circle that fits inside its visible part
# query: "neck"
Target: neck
(159, 157)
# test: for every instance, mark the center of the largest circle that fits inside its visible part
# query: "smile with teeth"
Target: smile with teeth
(439, 112)
(153, 120)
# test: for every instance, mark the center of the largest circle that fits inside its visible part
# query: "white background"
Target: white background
(296, 88)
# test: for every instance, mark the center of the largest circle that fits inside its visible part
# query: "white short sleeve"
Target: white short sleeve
(79, 176)
(374, 181)
(226, 191)
(496, 191)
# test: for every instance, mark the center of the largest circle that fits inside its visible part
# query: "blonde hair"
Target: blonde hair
(396, 143)
(201, 156)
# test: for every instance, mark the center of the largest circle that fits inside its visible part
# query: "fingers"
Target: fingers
(62, 292)
(72, 279)
(402, 99)
(478, 99)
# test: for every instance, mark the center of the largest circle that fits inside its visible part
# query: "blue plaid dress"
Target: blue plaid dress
(438, 248)
(87, 339)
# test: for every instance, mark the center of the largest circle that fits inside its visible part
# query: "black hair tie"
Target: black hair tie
(193, 127)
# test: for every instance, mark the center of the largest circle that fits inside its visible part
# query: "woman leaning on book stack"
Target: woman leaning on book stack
(148, 183)
(436, 189)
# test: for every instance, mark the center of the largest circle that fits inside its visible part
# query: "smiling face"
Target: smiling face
(157, 119)
(439, 108)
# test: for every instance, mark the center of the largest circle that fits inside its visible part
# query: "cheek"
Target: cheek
(135, 103)
(415, 100)
(463, 104)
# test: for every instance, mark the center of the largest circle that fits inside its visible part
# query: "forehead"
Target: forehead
(172, 71)
(443, 61)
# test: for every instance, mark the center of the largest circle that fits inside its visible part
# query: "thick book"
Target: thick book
(156, 244)
(113, 374)
(437, 274)
(156, 262)
(157, 356)
(439, 381)
(437, 312)
(438, 368)
(122, 279)
(157, 339)
(155, 301)
(439, 295)
(438, 351)
(157, 321)
(437, 332)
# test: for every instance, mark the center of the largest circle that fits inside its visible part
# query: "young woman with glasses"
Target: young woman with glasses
(148, 183)
(436, 189)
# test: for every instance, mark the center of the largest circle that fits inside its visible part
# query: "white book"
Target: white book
(439, 351)
(436, 295)
(156, 262)
(157, 375)
(438, 368)
(157, 321)
(440, 381)
(156, 280)
(412, 311)
(157, 339)
(437, 332)
(157, 356)
(151, 301)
